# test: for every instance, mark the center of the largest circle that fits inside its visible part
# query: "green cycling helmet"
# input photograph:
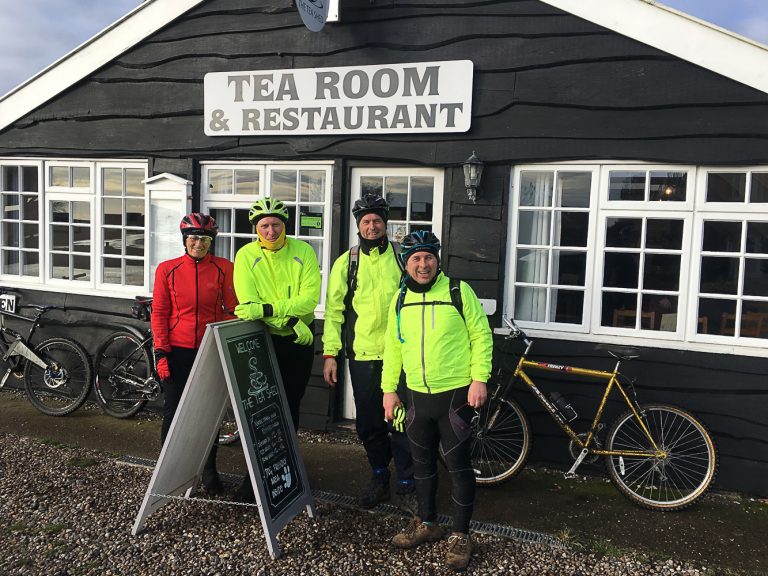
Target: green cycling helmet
(268, 207)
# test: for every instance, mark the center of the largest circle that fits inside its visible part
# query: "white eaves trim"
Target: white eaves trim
(679, 34)
(91, 55)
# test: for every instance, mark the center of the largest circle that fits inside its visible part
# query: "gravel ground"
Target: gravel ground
(68, 511)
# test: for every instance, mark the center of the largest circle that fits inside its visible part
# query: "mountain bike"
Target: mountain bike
(659, 456)
(126, 373)
(57, 372)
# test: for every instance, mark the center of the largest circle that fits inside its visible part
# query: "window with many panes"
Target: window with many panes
(230, 189)
(679, 253)
(74, 223)
(20, 220)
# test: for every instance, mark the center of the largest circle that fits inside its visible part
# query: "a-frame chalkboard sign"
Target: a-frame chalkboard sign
(236, 363)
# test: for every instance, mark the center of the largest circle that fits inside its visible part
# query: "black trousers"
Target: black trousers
(180, 362)
(444, 418)
(380, 440)
(295, 363)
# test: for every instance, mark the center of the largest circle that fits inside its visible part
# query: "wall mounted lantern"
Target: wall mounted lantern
(473, 172)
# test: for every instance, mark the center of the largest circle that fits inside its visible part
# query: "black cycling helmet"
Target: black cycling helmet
(419, 241)
(371, 204)
(198, 224)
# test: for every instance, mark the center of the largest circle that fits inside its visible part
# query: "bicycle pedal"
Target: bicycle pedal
(5, 377)
(569, 475)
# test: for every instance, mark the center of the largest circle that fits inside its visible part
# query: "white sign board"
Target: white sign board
(313, 13)
(391, 99)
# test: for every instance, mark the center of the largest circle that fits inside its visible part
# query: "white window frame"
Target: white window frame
(18, 279)
(51, 197)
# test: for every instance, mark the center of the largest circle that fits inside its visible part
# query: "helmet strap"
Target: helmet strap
(273, 246)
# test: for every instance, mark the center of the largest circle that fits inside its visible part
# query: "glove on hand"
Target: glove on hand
(304, 335)
(163, 370)
(249, 311)
(398, 422)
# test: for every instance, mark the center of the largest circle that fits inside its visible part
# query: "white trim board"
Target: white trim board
(646, 21)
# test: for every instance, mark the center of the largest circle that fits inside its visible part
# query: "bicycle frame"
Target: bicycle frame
(612, 380)
(19, 347)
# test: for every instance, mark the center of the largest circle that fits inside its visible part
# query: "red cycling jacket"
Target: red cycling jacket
(187, 296)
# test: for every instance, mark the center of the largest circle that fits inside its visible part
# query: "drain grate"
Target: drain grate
(490, 528)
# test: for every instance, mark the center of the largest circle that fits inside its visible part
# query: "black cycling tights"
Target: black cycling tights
(442, 418)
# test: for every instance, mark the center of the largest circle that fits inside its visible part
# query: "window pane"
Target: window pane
(623, 232)
(567, 306)
(317, 246)
(222, 247)
(60, 266)
(759, 191)
(719, 275)
(536, 188)
(668, 187)
(113, 241)
(396, 231)
(719, 314)
(284, 185)
(60, 238)
(60, 177)
(220, 181)
(628, 186)
(11, 178)
(571, 228)
(619, 310)
(532, 266)
(81, 239)
(10, 262)
(112, 271)
(81, 177)
(530, 304)
(574, 189)
(757, 237)
(726, 186)
(662, 272)
(666, 234)
(756, 277)
(422, 192)
(81, 268)
(722, 236)
(31, 236)
(134, 212)
(59, 211)
(30, 262)
(133, 182)
(134, 243)
(290, 228)
(311, 221)
(134, 272)
(242, 224)
(81, 213)
(396, 193)
(621, 270)
(10, 234)
(754, 319)
(223, 219)
(29, 179)
(112, 211)
(371, 185)
(10, 206)
(30, 208)
(247, 182)
(112, 181)
(569, 268)
(534, 227)
(240, 242)
(312, 186)
(659, 313)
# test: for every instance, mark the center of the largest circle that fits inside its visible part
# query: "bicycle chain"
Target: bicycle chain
(209, 500)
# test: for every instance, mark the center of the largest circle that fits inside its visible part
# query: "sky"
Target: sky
(36, 33)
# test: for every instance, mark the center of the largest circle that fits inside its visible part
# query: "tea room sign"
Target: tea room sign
(394, 98)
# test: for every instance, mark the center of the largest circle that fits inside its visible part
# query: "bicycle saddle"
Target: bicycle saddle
(619, 352)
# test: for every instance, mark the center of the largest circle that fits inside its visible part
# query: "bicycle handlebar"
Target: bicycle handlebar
(515, 330)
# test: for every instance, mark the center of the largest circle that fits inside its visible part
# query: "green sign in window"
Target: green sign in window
(309, 221)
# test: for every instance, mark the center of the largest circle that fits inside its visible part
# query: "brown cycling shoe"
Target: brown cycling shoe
(417, 532)
(459, 551)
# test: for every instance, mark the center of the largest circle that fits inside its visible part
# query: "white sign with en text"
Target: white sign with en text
(393, 98)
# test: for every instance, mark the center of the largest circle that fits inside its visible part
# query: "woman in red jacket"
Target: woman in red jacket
(190, 292)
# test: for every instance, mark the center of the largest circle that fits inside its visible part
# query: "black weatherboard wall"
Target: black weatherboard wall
(548, 87)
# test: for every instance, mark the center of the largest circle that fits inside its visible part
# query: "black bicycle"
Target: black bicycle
(57, 372)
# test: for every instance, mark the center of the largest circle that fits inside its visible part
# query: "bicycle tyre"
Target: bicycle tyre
(502, 449)
(121, 361)
(228, 432)
(670, 483)
(64, 385)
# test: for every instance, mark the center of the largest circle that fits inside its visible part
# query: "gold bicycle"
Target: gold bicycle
(659, 456)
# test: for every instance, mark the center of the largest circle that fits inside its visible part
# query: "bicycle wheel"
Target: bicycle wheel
(63, 385)
(228, 432)
(123, 375)
(501, 442)
(670, 483)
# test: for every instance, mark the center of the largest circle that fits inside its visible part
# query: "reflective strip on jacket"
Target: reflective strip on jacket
(441, 351)
(188, 295)
(378, 278)
(288, 279)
